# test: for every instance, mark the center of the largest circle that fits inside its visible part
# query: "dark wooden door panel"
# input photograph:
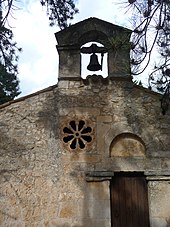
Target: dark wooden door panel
(129, 202)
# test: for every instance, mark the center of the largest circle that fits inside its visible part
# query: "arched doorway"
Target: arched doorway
(129, 190)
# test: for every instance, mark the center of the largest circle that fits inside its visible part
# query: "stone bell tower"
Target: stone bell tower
(115, 40)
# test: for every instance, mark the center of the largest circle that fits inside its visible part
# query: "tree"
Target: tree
(9, 85)
(8, 49)
(152, 33)
(59, 11)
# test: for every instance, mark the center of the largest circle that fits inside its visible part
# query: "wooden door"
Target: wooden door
(129, 201)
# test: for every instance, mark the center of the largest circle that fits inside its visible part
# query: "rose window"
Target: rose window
(77, 135)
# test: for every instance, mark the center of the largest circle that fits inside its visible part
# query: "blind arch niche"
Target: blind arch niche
(127, 145)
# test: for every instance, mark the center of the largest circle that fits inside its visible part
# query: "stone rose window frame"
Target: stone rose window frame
(77, 134)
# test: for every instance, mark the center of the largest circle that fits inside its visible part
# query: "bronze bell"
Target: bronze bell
(94, 63)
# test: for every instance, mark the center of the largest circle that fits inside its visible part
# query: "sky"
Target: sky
(38, 62)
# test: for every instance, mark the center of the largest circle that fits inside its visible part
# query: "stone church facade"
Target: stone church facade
(91, 152)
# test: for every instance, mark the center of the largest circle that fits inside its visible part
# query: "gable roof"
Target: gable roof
(73, 33)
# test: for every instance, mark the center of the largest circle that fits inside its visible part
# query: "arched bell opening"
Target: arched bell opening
(94, 60)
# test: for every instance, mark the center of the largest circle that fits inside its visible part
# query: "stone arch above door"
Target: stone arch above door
(127, 145)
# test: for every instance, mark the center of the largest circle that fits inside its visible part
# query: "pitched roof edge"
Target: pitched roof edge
(28, 96)
(56, 85)
(147, 90)
(92, 19)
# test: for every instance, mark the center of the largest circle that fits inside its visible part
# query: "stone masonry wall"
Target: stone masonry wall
(44, 183)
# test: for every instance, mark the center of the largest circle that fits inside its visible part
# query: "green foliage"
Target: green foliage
(138, 82)
(9, 85)
(8, 50)
(120, 41)
(60, 11)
